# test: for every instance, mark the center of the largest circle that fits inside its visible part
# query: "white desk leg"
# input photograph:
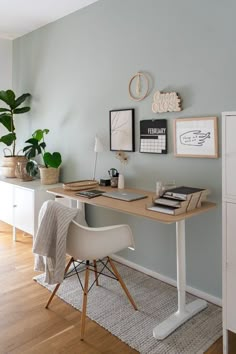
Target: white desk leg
(81, 207)
(13, 223)
(14, 233)
(225, 341)
(184, 312)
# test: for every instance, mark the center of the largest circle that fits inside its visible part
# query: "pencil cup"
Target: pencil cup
(114, 182)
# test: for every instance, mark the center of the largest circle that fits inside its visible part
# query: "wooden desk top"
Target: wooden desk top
(137, 207)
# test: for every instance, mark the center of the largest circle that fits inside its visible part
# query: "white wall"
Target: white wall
(5, 73)
(5, 64)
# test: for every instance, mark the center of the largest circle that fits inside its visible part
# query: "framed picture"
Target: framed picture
(153, 136)
(196, 137)
(122, 130)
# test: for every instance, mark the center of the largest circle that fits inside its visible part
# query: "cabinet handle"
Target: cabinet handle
(14, 205)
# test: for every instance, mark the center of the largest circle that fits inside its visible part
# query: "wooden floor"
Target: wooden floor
(26, 327)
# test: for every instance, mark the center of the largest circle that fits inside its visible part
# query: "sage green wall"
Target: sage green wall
(78, 69)
(5, 64)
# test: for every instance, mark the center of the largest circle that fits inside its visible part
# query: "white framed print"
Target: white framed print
(122, 130)
(196, 137)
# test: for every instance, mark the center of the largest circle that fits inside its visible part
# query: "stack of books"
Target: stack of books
(179, 200)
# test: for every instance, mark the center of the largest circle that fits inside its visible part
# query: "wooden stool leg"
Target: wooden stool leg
(95, 271)
(122, 283)
(58, 285)
(84, 307)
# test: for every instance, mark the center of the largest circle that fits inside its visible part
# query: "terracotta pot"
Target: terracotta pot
(49, 175)
(9, 165)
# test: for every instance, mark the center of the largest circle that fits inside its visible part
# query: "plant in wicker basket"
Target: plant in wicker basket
(49, 170)
(12, 108)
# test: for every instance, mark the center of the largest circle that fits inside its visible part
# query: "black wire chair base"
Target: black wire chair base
(80, 266)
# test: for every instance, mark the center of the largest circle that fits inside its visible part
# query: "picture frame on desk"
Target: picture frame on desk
(121, 123)
(196, 137)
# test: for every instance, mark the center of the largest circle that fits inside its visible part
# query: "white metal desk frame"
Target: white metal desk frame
(185, 311)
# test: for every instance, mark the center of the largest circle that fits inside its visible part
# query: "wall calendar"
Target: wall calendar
(153, 136)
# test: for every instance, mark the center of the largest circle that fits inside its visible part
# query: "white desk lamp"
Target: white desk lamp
(98, 147)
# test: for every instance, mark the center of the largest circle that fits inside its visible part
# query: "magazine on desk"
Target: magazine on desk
(179, 200)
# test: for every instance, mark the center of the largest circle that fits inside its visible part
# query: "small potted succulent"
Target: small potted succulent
(49, 170)
(12, 108)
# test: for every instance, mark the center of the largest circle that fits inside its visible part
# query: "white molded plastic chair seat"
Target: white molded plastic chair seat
(96, 243)
(92, 244)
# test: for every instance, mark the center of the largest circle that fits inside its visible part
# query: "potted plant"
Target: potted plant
(49, 171)
(7, 116)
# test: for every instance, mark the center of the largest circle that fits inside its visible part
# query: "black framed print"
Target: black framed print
(153, 136)
(122, 130)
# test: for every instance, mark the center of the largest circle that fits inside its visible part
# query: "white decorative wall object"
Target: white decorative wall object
(166, 102)
(140, 80)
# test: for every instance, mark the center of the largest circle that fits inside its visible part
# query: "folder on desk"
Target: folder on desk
(182, 193)
(167, 209)
(179, 200)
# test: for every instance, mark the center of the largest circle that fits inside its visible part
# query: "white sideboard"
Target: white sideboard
(229, 224)
(20, 203)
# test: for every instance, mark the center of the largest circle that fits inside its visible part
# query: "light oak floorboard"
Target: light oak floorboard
(26, 327)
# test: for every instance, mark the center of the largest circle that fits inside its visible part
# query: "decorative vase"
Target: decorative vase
(121, 181)
(9, 165)
(21, 171)
(49, 175)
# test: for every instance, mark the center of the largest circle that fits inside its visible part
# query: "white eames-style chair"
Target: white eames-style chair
(86, 246)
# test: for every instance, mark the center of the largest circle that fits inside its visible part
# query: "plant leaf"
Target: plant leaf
(33, 149)
(39, 133)
(4, 110)
(21, 99)
(52, 160)
(42, 145)
(21, 110)
(6, 120)
(32, 168)
(8, 139)
(8, 97)
(32, 141)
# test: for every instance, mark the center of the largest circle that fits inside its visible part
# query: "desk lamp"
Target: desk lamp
(98, 147)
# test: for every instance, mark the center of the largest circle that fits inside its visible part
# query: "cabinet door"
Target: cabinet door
(231, 266)
(6, 202)
(24, 209)
(230, 156)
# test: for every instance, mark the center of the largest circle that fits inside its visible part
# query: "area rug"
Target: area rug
(156, 300)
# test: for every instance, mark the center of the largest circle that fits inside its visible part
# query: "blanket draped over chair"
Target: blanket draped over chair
(49, 245)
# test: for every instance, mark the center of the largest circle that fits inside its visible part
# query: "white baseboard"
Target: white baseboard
(210, 298)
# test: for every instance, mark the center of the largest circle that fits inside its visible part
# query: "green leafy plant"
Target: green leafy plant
(7, 116)
(37, 146)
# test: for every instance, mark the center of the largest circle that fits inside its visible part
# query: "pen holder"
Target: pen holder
(114, 182)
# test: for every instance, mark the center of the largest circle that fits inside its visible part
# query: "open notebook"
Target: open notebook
(126, 196)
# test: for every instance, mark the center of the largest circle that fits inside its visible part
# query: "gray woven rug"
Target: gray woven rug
(110, 308)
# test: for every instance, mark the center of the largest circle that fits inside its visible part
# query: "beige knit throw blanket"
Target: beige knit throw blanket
(49, 245)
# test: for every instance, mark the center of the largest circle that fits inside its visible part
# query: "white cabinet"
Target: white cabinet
(23, 212)
(6, 203)
(20, 203)
(229, 224)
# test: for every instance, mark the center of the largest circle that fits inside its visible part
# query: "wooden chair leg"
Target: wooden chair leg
(95, 271)
(122, 283)
(84, 306)
(58, 285)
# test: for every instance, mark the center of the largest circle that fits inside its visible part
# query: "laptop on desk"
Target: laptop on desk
(126, 196)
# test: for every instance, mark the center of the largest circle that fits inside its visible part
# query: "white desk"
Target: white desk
(185, 311)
